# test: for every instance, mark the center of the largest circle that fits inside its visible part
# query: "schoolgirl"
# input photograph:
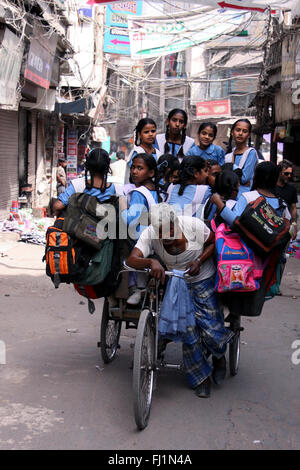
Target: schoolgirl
(143, 194)
(175, 140)
(97, 168)
(227, 186)
(168, 168)
(192, 191)
(206, 149)
(242, 156)
(144, 139)
(263, 185)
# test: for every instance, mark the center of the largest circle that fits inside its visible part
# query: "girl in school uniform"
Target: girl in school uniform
(242, 155)
(192, 191)
(206, 149)
(145, 135)
(144, 193)
(95, 182)
(175, 140)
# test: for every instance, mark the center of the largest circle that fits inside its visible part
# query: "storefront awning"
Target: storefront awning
(80, 106)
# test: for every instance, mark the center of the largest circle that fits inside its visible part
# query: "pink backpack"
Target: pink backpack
(237, 270)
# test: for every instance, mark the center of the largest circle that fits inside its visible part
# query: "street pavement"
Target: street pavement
(56, 393)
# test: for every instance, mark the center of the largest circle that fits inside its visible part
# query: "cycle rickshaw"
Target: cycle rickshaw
(147, 360)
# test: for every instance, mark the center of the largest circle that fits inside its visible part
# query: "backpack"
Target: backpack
(66, 258)
(109, 284)
(261, 227)
(82, 218)
(235, 262)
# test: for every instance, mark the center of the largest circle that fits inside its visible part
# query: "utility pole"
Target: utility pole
(162, 89)
(99, 77)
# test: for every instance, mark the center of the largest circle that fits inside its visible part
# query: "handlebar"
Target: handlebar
(147, 270)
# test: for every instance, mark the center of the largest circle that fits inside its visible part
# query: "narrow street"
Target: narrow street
(56, 393)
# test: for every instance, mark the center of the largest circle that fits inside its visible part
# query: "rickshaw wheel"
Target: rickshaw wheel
(109, 335)
(143, 368)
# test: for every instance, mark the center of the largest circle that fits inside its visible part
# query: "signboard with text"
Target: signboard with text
(72, 154)
(213, 108)
(40, 57)
(116, 35)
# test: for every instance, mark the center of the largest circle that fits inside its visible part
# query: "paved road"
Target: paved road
(55, 392)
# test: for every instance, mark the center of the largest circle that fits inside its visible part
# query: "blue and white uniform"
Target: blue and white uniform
(191, 201)
(173, 148)
(247, 162)
(141, 199)
(78, 186)
(213, 152)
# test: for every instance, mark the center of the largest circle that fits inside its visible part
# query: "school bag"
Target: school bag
(261, 227)
(235, 262)
(83, 214)
(86, 287)
(66, 258)
(250, 304)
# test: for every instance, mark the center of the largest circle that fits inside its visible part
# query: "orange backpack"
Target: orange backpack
(66, 258)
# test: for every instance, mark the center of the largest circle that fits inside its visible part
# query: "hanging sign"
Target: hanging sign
(116, 34)
(11, 54)
(150, 38)
(257, 6)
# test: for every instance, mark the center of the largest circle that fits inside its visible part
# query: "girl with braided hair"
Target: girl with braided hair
(242, 156)
(192, 191)
(175, 140)
(144, 193)
(144, 139)
(97, 168)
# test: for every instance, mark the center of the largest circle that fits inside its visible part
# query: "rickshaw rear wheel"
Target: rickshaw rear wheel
(109, 335)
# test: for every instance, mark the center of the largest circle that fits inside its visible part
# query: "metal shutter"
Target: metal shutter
(9, 182)
(32, 153)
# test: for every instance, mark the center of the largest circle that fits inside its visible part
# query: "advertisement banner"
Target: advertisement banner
(213, 108)
(11, 53)
(40, 57)
(116, 34)
(72, 154)
(250, 5)
(149, 38)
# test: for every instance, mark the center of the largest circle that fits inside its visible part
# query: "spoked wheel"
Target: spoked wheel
(234, 347)
(143, 369)
(109, 335)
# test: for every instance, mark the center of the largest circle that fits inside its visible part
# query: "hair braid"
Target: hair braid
(167, 148)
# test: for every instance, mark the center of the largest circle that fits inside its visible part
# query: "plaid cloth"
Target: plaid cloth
(208, 336)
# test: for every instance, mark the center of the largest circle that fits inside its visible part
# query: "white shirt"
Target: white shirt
(196, 233)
